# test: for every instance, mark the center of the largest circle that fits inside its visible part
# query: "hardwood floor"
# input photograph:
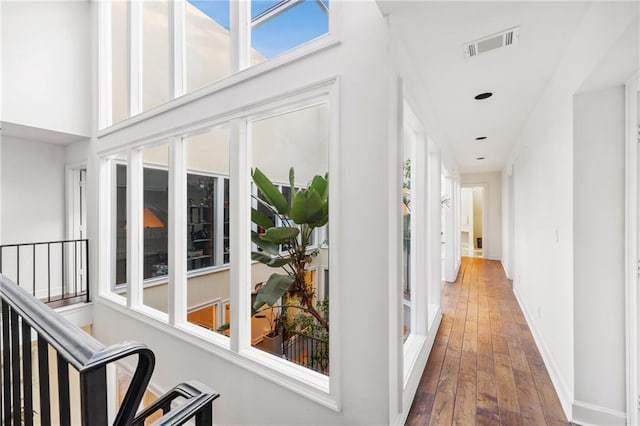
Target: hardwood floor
(484, 367)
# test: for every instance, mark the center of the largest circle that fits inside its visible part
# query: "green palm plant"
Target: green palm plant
(299, 216)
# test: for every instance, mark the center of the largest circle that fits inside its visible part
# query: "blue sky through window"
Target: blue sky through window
(295, 26)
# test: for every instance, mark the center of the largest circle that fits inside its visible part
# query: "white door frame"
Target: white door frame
(485, 197)
(632, 243)
(76, 206)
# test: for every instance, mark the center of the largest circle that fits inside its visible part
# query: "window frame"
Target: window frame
(218, 243)
(325, 390)
(240, 65)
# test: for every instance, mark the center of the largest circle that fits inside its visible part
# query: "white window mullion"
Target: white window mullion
(239, 193)
(178, 74)
(105, 58)
(177, 306)
(240, 20)
(419, 223)
(218, 218)
(135, 57)
(135, 232)
(106, 230)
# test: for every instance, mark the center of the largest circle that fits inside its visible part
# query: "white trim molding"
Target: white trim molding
(632, 243)
(587, 414)
(485, 217)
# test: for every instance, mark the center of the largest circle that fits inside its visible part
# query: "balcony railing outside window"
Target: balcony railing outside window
(56, 272)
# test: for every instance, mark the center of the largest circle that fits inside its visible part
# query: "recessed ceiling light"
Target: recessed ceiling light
(480, 158)
(481, 138)
(484, 95)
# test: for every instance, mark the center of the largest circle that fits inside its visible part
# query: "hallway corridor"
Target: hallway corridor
(484, 367)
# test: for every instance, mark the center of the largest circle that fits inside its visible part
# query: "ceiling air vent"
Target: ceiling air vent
(505, 38)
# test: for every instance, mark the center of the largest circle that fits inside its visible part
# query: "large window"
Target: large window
(408, 233)
(200, 239)
(159, 51)
(289, 203)
(207, 41)
(119, 61)
(156, 48)
(208, 230)
(207, 210)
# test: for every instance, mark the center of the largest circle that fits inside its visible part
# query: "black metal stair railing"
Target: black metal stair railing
(25, 317)
(53, 271)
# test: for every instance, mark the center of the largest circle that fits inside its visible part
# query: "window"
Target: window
(207, 204)
(165, 72)
(407, 227)
(207, 41)
(155, 223)
(278, 26)
(120, 224)
(119, 61)
(188, 184)
(156, 48)
(294, 323)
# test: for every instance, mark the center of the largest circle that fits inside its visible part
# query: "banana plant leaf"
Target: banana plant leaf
(261, 219)
(274, 262)
(292, 183)
(267, 246)
(270, 192)
(306, 207)
(275, 287)
(280, 235)
(320, 185)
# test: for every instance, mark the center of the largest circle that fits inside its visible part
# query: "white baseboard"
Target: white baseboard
(452, 278)
(507, 272)
(587, 414)
(421, 363)
(563, 391)
(80, 314)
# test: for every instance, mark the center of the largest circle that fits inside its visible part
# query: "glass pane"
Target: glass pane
(207, 205)
(295, 326)
(119, 61)
(156, 222)
(156, 50)
(208, 42)
(406, 233)
(291, 27)
(201, 230)
(120, 224)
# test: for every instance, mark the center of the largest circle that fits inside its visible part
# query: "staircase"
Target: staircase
(28, 393)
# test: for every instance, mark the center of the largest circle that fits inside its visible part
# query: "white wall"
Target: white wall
(46, 73)
(543, 168)
(33, 191)
(508, 197)
(599, 138)
(492, 241)
(248, 398)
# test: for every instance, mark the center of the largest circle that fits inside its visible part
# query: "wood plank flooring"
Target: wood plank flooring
(484, 368)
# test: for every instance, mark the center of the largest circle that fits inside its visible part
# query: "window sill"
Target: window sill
(412, 348)
(157, 281)
(323, 42)
(304, 382)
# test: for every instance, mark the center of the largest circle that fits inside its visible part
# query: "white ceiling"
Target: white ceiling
(37, 134)
(434, 33)
(619, 64)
